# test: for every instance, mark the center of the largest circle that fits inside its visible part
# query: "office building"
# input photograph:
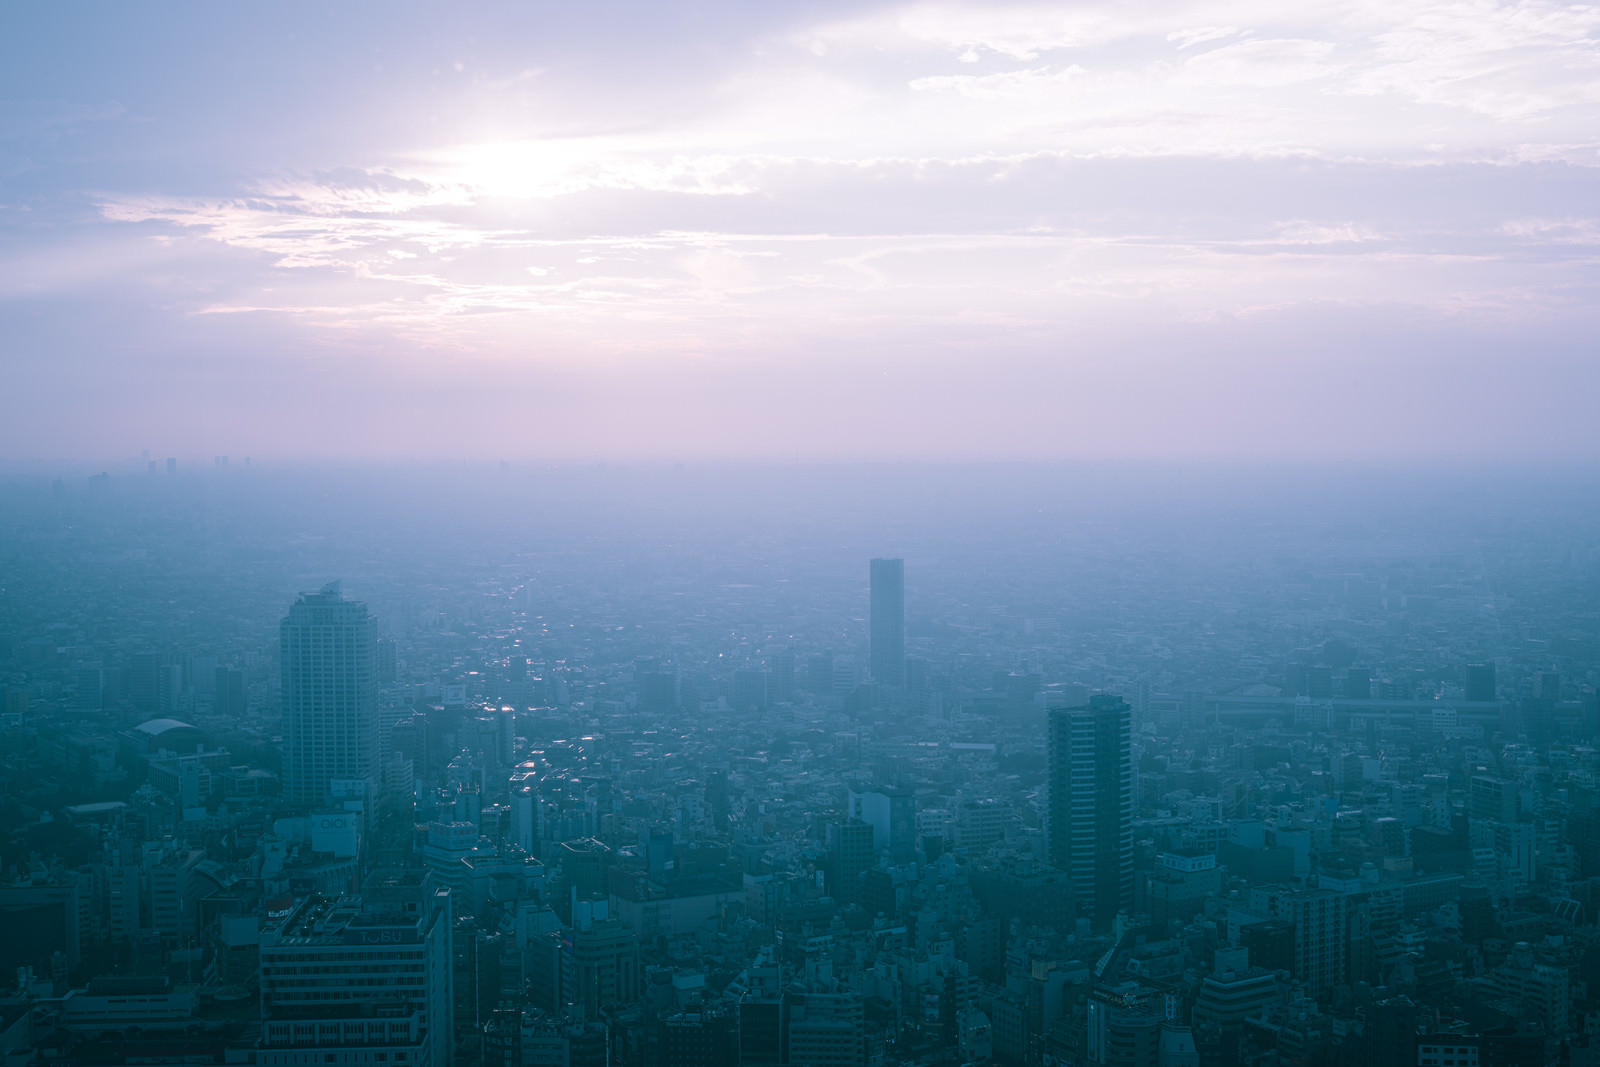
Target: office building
(330, 697)
(606, 968)
(888, 623)
(1123, 1029)
(761, 1029)
(892, 814)
(824, 1029)
(1089, 821)
(851, 846)
(1235, 990)
(41, 919)
(360, 980)
(706, 1035)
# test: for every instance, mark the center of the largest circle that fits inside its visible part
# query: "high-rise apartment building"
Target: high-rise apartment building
(330, 697)
(888, 625)
(1321, 927)
(360, 980)
(1089, 824)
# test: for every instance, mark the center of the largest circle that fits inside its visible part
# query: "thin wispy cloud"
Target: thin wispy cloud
(908, 175)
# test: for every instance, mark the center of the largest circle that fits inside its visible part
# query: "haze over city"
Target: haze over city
(708, 534)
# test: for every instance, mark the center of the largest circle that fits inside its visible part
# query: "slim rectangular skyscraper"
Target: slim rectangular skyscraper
(889, 622)
(330, 695)
(1089, 824)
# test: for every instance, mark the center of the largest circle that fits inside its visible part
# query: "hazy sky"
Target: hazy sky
(1212, 228)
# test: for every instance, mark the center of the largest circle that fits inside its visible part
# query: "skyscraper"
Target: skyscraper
(330, 696)
(889, 622)
(1089, 824)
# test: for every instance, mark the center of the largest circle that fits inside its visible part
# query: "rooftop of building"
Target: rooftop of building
(338, 920)
(157, 727)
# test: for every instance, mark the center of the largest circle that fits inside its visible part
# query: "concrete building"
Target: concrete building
(360, 980)
(823, 1029)
(1321, 942)
(892, 814)
(605, 966)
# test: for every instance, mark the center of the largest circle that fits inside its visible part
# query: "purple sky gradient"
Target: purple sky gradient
(932, 230)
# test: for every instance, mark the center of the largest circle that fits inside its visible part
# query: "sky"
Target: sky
(1205, 229)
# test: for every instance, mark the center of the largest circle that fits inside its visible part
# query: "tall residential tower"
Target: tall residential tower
(1089, 825)
(330, 697)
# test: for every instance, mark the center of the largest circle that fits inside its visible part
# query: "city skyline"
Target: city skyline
(1183, 772)
(843, 533)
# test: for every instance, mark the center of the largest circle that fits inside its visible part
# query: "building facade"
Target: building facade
(330, 697)
(888, 623)
(360, 980)
(1089, 824)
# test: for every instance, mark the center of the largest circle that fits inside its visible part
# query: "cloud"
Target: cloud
(1002, 85)
(417, 273)
(1512, 63)
(1263, 64)
(1302, 232)
(1584, 231)
(1200, 35)
(946, 179)
(30, 118)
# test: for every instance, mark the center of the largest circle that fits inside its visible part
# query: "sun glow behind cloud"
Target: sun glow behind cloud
(931, 95)
(1031, 181)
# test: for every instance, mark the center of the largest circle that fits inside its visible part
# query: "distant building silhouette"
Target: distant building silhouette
(782, 675)
(228, 698)
(1089, 829)
(850, 843)
(1480, 685)
(330, 696)
(888, 626)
